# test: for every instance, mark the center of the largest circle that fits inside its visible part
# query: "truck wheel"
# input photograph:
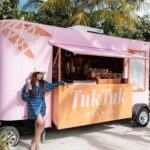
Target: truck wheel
(12, 134)
(142, 118)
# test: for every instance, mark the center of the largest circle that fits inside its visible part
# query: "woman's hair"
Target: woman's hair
(33, 83)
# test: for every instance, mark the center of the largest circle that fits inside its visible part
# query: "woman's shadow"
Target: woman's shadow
(23, 146)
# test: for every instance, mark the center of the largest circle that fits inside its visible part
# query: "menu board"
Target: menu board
(137, 72)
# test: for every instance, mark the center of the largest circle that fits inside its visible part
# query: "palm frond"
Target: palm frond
(56, 3)
(79, 19)
(32, 5)
(118, 18)
(93, 2)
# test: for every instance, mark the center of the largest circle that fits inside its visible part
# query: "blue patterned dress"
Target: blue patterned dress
(36, 103)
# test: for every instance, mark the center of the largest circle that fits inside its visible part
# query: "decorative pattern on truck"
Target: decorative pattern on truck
(11, 30)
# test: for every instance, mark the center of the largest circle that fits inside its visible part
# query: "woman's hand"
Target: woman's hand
(64, 83)
(29, 83)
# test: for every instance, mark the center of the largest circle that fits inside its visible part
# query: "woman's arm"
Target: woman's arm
(25, 92)
(51, 86)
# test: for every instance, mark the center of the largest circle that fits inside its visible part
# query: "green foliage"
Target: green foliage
(118, 12)
(4, 138)
(114, 17)
(55, 17)
(141, 32)
(8, 11)
(80, 12)
(143, 26)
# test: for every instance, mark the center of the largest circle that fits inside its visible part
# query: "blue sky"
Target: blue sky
(22, 2)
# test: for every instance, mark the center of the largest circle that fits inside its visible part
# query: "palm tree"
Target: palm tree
(80, 11)
(136, 3)
(14, 3)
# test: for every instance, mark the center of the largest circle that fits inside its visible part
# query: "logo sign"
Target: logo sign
(88, 104)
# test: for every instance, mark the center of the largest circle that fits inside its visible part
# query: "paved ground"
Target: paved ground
(109, 136)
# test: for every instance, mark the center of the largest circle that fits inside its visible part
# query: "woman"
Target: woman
(33, 93)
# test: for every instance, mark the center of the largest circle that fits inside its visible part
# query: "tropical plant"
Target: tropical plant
(143, 26)
(8, 11)
(14, 3)
(142, 31)
(84, 11)
(4, 138)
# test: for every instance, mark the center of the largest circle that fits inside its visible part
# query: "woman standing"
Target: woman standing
(33, 93)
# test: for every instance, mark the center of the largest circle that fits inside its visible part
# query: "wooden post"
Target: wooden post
(126, 62)
(59, 64)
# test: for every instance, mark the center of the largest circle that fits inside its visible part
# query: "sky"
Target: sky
(22, 2)
(145, 9)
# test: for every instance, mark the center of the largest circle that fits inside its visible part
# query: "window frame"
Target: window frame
(139, 51)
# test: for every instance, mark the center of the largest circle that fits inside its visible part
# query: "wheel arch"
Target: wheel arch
(137, 107)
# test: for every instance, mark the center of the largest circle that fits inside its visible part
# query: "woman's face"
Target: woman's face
(40, 75)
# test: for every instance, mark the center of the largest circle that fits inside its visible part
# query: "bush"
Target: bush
(4, 138)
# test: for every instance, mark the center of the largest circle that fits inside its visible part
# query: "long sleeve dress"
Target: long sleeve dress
(36, 103)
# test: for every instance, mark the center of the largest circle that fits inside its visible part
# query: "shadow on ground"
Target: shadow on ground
(96, 140)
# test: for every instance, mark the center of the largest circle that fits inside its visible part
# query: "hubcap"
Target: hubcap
(143, 118)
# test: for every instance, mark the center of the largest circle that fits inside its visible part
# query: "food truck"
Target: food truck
(107, 77)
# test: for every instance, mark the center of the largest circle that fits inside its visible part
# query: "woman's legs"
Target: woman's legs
(33, 144)
(39, 127)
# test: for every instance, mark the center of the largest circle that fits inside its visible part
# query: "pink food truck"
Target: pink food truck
(108, 77)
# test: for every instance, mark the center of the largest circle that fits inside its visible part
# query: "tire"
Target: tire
(142, 118)
(13, 132)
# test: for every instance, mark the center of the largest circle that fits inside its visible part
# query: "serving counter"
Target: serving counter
(84, 104)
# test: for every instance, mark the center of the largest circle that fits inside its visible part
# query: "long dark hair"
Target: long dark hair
(33, 83)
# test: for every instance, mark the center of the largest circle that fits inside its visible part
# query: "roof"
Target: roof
(79, 42)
